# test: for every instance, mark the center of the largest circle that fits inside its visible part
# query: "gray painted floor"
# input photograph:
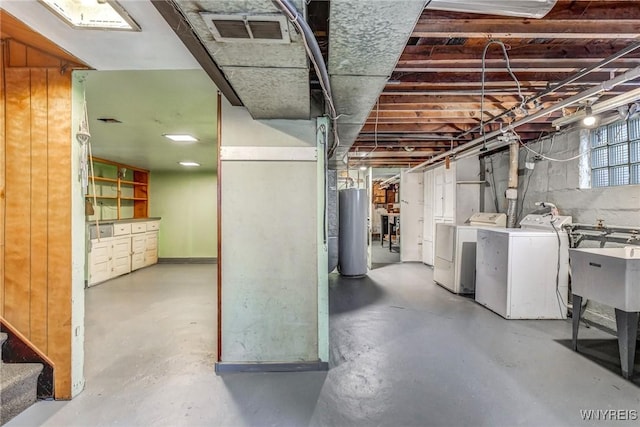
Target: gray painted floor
(405, 352)
(382, 256)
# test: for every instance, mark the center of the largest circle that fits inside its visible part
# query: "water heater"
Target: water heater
(353, 207)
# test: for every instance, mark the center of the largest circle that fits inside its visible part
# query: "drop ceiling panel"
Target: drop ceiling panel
(149, 104)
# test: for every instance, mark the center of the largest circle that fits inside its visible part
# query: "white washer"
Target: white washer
(455, 258)
(517, 269)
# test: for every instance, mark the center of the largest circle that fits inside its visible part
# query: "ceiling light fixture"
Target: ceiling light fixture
(92, 14)
(180, 137)
(589, 119)
(189, 164)
(363, 168)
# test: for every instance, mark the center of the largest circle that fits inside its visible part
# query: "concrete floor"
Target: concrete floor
(404, 351)
(382, 256)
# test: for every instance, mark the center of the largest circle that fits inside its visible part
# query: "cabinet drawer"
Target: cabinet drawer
(105, 230)
(153, 225)
(138, 227)
(121, 229)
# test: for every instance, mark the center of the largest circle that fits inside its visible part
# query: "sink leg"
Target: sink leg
(575, 317)
(627, 324)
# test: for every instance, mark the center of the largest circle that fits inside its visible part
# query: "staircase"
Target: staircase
(18, 383)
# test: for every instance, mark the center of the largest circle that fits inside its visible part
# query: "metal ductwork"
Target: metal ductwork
(522, 8)
(366, 38)
(267, 66)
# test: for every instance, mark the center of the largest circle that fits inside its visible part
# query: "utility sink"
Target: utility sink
(608, 275)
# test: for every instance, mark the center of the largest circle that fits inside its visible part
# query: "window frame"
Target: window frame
(630, 141)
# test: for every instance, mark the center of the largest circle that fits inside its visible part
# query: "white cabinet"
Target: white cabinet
(428, 231)
(452, 196)
(151, 248)
(99, 260)
(121, 257)
(134, 245)
(411, 216)
(137, 249)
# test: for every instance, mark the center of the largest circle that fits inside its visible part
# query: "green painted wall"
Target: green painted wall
(186, 202)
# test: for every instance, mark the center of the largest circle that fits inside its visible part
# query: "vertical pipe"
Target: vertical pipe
(219, 224)
(512, 189)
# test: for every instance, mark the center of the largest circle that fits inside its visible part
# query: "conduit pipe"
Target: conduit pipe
(632, 74)
(315, 54)
(565, 82)
(512, 190)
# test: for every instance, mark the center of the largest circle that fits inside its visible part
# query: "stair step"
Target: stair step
(18, 388)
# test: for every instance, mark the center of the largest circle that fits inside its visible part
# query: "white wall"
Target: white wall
(559, 183)
(78, 239)
(270, 249)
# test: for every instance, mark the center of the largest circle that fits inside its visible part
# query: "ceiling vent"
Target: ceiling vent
(247, 28)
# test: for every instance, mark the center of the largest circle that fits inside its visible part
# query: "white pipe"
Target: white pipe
(600, 107)
(512, 190)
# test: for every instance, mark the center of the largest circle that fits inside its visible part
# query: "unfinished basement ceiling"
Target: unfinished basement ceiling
(431, 102)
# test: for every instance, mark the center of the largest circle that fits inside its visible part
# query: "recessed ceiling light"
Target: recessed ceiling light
(109, 120)
(180, 137)
(189, 164)
(92, 14)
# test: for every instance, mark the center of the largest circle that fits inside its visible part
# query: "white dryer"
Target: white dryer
(523, 273)
(455, 258)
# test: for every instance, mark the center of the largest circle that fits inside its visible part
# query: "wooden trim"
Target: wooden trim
(2, 175)
(21, 33)
(39, 201)
(111, 162)
(219, 225)
(8, 326)
(19, 349)
(59, 236)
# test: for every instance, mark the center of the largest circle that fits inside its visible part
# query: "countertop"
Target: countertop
(118, 221)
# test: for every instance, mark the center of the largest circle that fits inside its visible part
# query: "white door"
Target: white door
(369, 183)
(411, 216)
(428, 219)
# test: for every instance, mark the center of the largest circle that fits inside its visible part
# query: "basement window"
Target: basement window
(615, 154)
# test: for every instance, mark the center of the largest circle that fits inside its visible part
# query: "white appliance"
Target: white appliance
(455, 258)
(517, 269)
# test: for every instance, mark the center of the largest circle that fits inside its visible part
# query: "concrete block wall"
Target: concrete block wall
(560, 183)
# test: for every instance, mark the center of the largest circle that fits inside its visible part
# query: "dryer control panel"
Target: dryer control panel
(544, 221)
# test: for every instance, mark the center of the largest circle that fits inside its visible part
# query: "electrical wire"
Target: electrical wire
(482, 90)
(323, 79)
(493, 186)
(551, 159)
(561, 303)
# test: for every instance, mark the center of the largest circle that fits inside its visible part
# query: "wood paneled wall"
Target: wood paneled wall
(35, 161)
